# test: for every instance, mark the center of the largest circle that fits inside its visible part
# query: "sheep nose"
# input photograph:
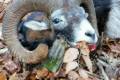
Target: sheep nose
(90, 34)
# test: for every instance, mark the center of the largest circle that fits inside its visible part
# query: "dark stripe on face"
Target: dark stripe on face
(67, 32)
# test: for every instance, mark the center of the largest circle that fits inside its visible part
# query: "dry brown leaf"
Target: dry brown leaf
(5, 57)
(21, 76)
(50, 75)
(85, 55)
(13, 77)
(3, 76)
(60, 73)
(1, 15)
(84, 48)
(70, 55)
(11, 66)
(83, 74)
(70, 66)
(115, 48)
(72, 75)
(31, 76)
(42, 73)
(88, 62)
(7, 1)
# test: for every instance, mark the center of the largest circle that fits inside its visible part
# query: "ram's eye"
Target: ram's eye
(56, 21)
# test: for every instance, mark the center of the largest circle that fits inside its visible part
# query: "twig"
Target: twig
(103, 63)
(103, 72)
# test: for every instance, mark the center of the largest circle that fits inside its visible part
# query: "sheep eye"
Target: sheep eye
(56, 21)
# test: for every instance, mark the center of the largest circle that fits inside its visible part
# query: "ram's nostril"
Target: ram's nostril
(89, 34)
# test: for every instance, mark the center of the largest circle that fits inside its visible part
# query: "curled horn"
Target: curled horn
(13, 15)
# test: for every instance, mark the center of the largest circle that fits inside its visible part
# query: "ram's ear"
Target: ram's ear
(82, 10)
(36, 26)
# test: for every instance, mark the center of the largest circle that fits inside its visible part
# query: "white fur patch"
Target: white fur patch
(35, 25)
(58, 14)
(84, 27)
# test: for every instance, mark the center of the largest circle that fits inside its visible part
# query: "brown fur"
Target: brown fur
(37, 35)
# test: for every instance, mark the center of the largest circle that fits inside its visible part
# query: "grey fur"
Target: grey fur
(108, 15)
(113, 24)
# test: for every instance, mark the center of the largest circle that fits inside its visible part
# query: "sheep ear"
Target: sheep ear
(82, 10)
(35, 25)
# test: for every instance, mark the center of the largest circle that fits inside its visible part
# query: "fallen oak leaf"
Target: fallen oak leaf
(19, 76)
(50, 75)
(31, 76)
(85, 54)
(3, 76)
(71, 66)
(88, 62)
(41, 73)
(83, 74)
(70, 55)
(5, 57)
(60, 73)
(11, 66)
(115, 48)
(72, 75)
